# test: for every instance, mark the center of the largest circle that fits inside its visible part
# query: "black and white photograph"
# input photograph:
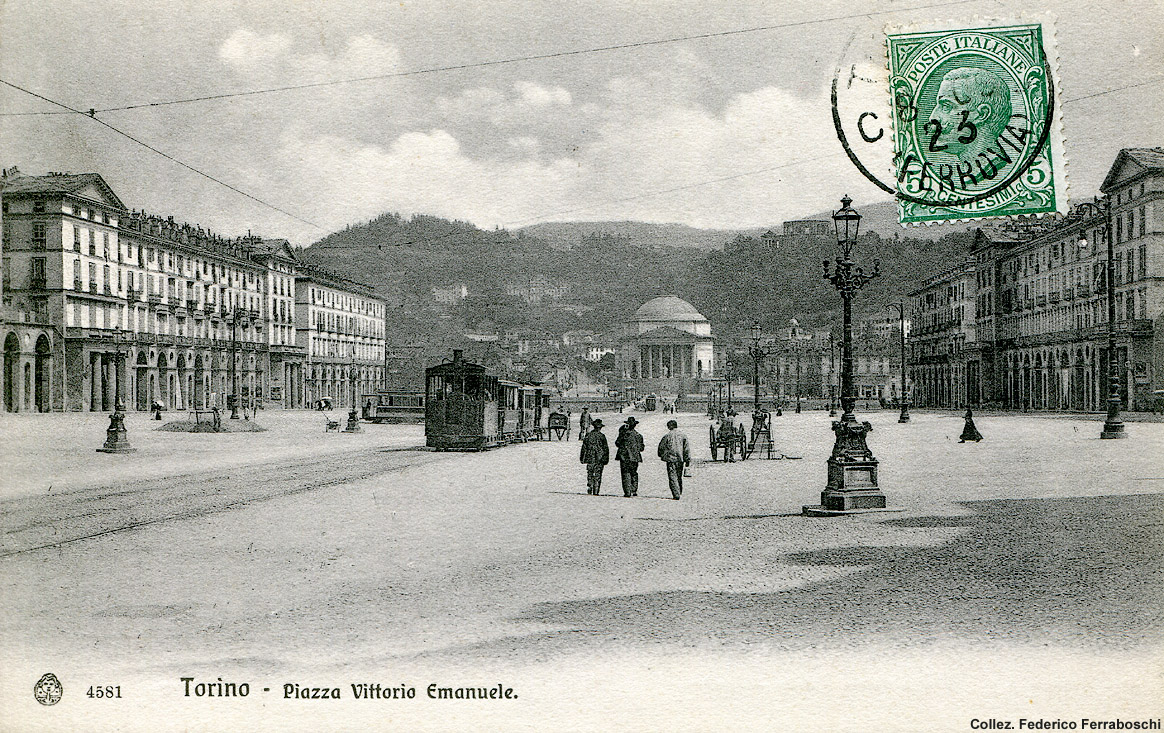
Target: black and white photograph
(533, 365)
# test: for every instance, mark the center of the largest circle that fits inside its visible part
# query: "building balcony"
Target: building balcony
(92, 286)
(154, 299)
(78, 284)
(146, 338)
(131, 295)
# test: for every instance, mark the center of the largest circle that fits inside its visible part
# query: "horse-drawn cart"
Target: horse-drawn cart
(729, 440)
(559, 424)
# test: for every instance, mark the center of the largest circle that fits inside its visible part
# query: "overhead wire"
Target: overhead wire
(522, 59)
(164, 154)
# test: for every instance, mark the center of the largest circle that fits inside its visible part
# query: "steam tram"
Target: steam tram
(468, 409)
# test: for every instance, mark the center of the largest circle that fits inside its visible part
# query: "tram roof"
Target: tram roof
(450, 367)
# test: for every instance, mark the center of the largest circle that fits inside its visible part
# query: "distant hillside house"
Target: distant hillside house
(483, 332)
(450, 294)
(536, 290)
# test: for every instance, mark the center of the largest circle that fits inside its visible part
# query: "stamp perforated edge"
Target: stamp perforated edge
(1055, 140)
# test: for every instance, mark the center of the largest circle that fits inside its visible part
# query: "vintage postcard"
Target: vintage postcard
(535, 365)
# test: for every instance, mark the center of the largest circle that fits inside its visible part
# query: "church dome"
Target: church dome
(668, 308)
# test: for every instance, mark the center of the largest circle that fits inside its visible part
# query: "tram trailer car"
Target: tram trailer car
(509, 411)
(394, 406)
(464, 406)
(535, 412)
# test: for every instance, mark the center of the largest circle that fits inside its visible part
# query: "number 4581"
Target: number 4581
(106, 691)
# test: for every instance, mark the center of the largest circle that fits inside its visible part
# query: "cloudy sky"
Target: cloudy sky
(730, 130)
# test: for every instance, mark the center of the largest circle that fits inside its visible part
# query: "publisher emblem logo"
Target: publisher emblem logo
(48, 689)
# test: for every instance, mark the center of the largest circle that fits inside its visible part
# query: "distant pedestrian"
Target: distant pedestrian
(675, 451)
(569, 420)
(969, 432)
(629, 454)
(584, 422)
(595, 454)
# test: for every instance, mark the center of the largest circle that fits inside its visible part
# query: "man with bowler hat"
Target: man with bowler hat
(629, 455)
(595, 454)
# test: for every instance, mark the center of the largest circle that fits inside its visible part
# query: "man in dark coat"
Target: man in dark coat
(629, 455)
(595, 454)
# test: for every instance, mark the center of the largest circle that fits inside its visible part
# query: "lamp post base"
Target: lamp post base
(1113, 431)
(852, 473)
(904, 415)
(353, 425)
(115, 436)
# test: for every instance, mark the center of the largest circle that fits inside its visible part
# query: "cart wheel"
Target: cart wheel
(714, 457)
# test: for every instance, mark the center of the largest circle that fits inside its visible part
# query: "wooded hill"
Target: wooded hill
(610, 275)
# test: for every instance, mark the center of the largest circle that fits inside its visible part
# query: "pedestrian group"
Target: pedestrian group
(674, 450)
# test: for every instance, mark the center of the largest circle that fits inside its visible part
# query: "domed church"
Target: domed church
(667, 345)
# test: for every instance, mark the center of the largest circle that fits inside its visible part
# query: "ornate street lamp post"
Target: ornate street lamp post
(852, 469)
(1113, 425)
(832, 376)
(903, 396)
(730, 366)
(232, 398)
(796, 350)
(353, 425)
(758, 354)
(116, 439)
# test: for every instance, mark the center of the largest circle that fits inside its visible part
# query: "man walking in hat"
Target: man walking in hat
(629, 455)
(676, 453)
(595, 454)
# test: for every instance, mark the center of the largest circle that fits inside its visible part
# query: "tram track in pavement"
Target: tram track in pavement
(52, 520)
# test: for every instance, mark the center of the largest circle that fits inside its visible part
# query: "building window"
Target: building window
(77, 275)
(39, 239)
(105, 240)
(93, 244)
(1143, 217)
(105, 217)
(36, 272)
(77, 238)
(38, 207)
(7, 237)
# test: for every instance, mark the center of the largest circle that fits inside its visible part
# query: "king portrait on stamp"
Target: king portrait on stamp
(975, 132)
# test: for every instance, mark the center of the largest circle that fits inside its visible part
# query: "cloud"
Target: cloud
(246, 48)
(514, 180)
(536, 95)
(275, 58)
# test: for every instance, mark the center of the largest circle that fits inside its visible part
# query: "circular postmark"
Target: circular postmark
(48, 689)
(972, 116)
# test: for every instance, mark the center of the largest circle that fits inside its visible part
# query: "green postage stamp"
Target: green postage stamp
(975, 123)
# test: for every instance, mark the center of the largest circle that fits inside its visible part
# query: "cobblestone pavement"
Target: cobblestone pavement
(1025, 569)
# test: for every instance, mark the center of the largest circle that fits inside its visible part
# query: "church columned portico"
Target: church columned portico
(663, 361)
